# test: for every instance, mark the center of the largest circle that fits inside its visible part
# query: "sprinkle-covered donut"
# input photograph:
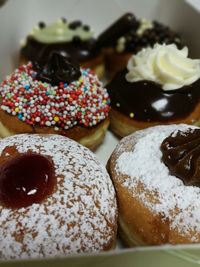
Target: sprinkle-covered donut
(156, 175)
(55, 198)
(57, 97)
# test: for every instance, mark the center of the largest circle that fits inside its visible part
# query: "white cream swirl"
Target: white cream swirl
(164, 64)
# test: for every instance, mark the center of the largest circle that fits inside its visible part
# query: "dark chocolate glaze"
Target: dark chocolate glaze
(181, 154)
(117, 29)
(80, 51)
(148, 102)
(57, 69)
(26, 179)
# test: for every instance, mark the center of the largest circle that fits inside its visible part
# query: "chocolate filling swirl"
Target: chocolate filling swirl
(181, 154)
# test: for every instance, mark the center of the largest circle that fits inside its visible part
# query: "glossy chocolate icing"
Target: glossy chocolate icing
(79, 50)
(57, 69)
(26, 179)
(146, 101)
(181, 154)
(117, 29)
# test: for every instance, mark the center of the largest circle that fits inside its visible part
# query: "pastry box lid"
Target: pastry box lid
(17, 19)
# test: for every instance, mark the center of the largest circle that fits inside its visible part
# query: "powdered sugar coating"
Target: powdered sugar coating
(80, 216)
(142, 163)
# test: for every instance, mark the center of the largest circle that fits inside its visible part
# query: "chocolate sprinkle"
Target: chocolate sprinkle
(75, 24)
(41, 24)
(158, 34)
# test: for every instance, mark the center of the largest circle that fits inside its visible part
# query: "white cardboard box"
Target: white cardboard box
(18, 17)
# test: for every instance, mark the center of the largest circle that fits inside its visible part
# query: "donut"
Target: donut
(57, 97)
(72, 39)
(108, 38)
(160, 85)
(128, 35)
(156, 175)
(66, 205)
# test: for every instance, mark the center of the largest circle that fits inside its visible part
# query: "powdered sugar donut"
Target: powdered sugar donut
(55, 198)
(156, 175)
(55, 97)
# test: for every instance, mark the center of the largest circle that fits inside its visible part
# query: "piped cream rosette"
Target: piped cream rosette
(164, 64)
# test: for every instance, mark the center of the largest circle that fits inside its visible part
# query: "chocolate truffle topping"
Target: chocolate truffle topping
(57, 69)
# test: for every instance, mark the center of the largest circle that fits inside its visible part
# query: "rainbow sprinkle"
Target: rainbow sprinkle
(82, 102)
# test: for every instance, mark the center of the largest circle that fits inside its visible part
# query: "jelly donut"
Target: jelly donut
(128, 35)
(72, 39)
(157, 178)
(57, 97)
(159, 86)
(65, 205)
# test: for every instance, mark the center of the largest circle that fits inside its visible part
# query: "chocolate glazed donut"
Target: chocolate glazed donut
(160, 85)
(143, 104)
(73, 40)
